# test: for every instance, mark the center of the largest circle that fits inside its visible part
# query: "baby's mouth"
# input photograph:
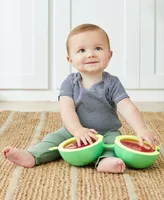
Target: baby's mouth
(93, 62)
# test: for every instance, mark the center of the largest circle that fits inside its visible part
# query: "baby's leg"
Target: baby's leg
(108, 162)
(39, 154)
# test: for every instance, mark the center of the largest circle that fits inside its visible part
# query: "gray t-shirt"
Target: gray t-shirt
(96, 106)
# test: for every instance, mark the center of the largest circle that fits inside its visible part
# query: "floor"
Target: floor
(54, 106)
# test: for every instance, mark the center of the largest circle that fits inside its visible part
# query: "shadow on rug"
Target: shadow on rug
(59, 180)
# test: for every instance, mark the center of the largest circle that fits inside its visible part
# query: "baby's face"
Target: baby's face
(89, 51)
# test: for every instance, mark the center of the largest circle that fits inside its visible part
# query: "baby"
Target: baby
(89, 100)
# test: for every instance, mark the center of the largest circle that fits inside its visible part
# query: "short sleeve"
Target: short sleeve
(117, 91)
(66, 88)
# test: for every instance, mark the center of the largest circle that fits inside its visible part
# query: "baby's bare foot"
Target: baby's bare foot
(112, 164)
(19, 156)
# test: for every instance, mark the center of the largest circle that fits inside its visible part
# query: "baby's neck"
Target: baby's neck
(89, 80)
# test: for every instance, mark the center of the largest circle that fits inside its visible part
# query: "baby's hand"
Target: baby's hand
(85, 135)
(149, 136)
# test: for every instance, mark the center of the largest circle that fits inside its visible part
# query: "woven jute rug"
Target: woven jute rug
(61, 181)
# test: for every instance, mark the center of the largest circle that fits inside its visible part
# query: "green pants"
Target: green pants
(43, 155)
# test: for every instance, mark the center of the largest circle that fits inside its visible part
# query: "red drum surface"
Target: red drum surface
(136, 146)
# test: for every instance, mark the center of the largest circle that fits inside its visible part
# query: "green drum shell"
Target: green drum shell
(133, 158)
(81, 156)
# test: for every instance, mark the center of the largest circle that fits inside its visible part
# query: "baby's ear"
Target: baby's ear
(110, 54)
(69, 59)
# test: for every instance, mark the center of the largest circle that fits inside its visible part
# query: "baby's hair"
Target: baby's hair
(84, 28)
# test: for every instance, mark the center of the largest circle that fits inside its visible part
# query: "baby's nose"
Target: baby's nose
(91, 54)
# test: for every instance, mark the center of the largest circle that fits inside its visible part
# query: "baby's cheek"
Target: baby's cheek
(106, 60)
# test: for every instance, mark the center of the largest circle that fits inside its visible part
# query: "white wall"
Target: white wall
(58, 67)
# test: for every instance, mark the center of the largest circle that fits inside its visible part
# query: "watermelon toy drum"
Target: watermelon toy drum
(125, 147)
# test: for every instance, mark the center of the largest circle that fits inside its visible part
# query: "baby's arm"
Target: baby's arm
(72, 123)
(132, 115)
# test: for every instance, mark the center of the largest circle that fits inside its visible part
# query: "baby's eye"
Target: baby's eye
(98, 48)
(81, 51)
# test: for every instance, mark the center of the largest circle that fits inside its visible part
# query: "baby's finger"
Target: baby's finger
(78, 141)
(141, 141)
(93, 131)
(93, 136)
(150, 140)
(89, 140)
(83, 139)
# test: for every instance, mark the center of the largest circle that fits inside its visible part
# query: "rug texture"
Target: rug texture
(61, 181)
